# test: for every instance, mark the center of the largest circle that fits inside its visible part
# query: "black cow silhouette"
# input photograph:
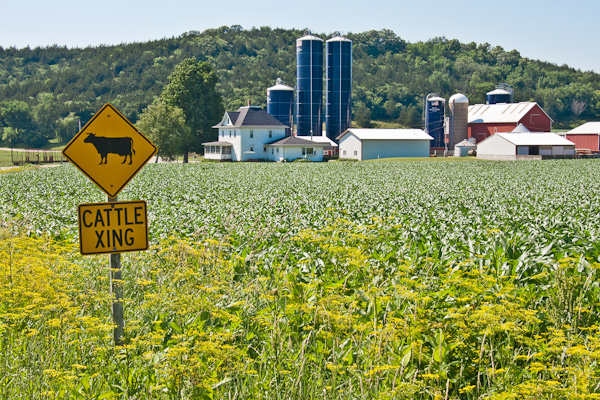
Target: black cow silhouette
(122, 146)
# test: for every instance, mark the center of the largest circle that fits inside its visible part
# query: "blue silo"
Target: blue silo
(434, 119)
(280, 104)
(309, 85)
(338, 91)
(498, 96)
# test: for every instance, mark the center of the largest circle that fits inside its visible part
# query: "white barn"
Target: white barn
(369, 144)
(521, 144)
(244, 135)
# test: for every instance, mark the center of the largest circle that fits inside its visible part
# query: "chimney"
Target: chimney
(248, 102)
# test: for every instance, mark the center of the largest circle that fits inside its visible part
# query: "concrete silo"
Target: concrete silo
(459, 118)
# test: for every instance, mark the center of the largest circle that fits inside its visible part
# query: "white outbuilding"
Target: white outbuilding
(369, 144)
(521, 144)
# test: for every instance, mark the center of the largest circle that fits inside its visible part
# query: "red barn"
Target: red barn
(586, 136)
(487, 119)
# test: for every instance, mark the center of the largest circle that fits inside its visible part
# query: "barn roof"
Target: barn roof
(501, 113)
(535, 139)
(587, 128)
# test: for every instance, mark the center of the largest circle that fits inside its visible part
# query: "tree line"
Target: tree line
(45, 92)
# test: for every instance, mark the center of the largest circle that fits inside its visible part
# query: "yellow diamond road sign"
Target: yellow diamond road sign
(113, 227)
(109, 150)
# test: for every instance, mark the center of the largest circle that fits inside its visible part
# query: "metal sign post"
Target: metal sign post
(116, 293)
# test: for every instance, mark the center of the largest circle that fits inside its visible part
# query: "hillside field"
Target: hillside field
(345, 280)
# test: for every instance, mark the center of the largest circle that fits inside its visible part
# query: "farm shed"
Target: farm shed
(524, 145)
(488, 119)
(586, 136)
(292, 148)
(244, 134)
(368, 144)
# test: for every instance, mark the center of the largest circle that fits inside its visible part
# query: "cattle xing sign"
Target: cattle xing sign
(113, 227)
(109, 150)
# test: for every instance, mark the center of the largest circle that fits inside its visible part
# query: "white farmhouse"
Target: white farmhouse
(521, 144)
(244, 135)
(368, 144)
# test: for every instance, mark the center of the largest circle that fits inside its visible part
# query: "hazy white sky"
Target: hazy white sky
(561, 32)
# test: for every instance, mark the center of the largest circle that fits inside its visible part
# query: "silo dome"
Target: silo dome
(458, 98)
(498, 96)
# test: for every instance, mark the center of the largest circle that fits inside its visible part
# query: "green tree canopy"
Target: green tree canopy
(192, 88)
(165, 126)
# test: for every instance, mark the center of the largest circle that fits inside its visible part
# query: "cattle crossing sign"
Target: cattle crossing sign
(109, 150)
(113, 227)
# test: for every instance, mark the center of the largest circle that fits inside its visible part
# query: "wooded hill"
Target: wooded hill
(58, 85)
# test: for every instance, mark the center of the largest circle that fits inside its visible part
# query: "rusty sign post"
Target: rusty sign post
(110, 151)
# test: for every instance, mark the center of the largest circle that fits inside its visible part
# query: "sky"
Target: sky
(557, 31)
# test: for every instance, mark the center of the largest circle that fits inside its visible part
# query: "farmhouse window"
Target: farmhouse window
(251, 134)
(270, 133)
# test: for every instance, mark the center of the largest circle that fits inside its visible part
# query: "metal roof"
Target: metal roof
(465, 143)
(497, 91)
(501, 113)
(387, 134)
(535, 139)
(280, 86)
(308, 37)
(587, 128)
(339, 39)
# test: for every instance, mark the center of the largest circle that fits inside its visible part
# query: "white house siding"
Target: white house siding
(350, 147)
(232, 135)
(496, 145)
(242, 142)
(291, 153)
(373, 149)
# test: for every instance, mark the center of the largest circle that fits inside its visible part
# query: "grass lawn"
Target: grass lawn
(5, 160)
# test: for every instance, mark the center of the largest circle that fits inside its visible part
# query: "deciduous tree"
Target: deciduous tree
(192, 88)
(165, 126)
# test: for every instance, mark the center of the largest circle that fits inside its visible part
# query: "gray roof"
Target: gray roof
(250, 116)
(296, 141)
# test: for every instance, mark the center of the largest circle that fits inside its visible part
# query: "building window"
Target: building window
(308, 151)
(234, 133)
(355, 152)
(229, 133)
(265, 149)
(278, 149)
(251, 134)
(252, 149)
(344, 152)
(272, 151)
(270, 133)
(227, 150)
